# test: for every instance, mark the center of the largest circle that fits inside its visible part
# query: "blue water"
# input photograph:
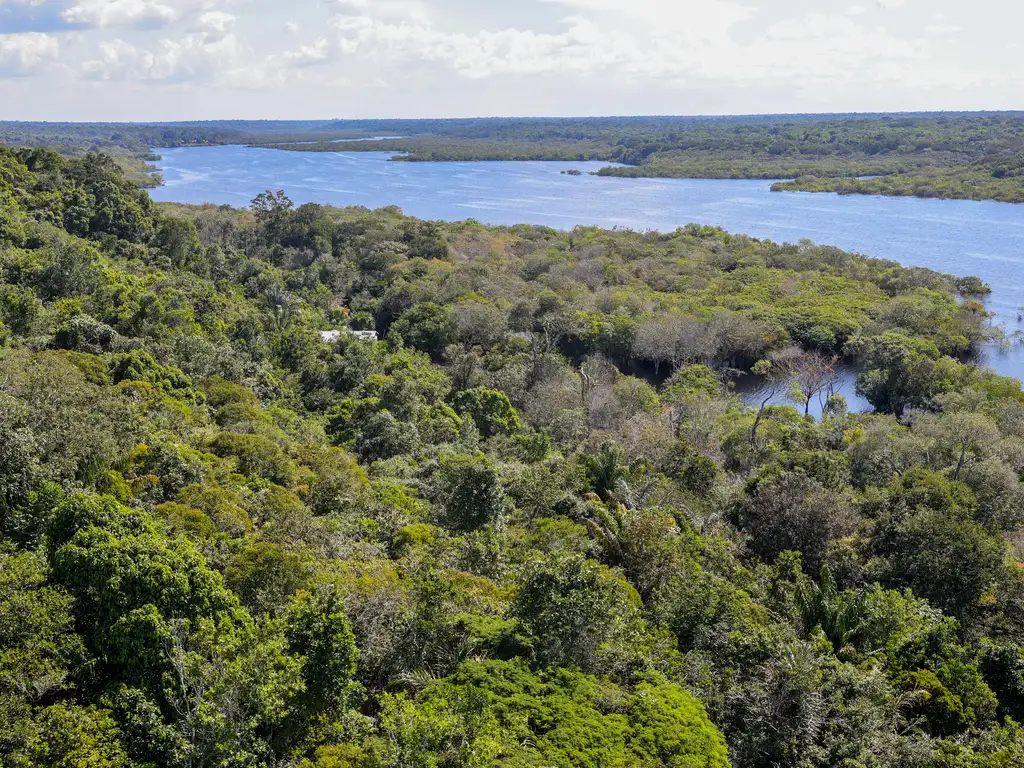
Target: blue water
(962, 237)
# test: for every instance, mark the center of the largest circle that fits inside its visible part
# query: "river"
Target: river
(963, 237)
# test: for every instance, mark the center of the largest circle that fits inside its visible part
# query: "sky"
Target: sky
(155, 60)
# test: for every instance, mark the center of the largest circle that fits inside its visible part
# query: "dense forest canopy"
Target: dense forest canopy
(530, 526)
(952, 155)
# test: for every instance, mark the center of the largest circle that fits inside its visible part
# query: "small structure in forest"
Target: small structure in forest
(332, 336)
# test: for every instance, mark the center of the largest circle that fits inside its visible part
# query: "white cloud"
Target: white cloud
(218, 22)
(411, 11)
(579, 55)
(580, 48)
(115, 13)
(693, 17)
(315, 53)
(27, 52)
(676, 43)
(196, 57)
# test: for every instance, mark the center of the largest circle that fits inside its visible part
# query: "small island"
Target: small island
(572, 172)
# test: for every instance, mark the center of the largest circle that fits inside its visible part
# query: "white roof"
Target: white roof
(332, 336)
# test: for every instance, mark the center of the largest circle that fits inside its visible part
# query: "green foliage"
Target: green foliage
(930, 542)
(669, 727)
(903, 372)
(577, 613)
(65, 735)
(383, 437)
(265, 575)
(487, 540)
(83, 333)
(39, 649)
(320, 633)
(427, 327)
(140, 366)
(470, 492)
(606, 469)
(256, 455)
(499, 713)
(696, 472)
(490, 410)
(790, 511)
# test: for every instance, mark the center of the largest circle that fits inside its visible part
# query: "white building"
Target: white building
(332, 336)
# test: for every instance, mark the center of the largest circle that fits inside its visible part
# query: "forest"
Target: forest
(949, 155)
(531, 525)
(940, 155)
(132, 144)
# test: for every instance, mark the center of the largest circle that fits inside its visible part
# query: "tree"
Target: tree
(319, 632)
(19, 473)
(490, 410)
(66, 734)
(775, 380)
(812, 374)
(673, 340)
(428, 327)
(270, 206)
(190, 672)
(669, 727)
(791, 511)
(178, 241)
(944, 557)
(438, 423)
(265, 575)
(383, 436)
(839, 615)
(963, 434)
(39, 648)
(256, 455)
(85, 334)
(497, 710)
(577, 613)
(471, 492)
(480, 324)
(606, 469)
(902, 372)
(69, 269)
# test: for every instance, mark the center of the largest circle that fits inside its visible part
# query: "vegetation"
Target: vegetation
(967, 156)
(131, 144)
(951, 155)
(531, 526)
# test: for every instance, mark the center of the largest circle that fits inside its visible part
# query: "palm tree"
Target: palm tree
(840, 615)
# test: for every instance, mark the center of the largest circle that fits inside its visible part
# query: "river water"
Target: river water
(963, 237)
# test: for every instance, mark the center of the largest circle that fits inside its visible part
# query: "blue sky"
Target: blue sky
(194, 59)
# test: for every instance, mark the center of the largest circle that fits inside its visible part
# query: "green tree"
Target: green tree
(428, 327)
(491, 411)
(946, 558)
(902, 371)
(577, 613)
(319, 632)
(383, 437)
(194, 680)
(791, 511)
(471, 492)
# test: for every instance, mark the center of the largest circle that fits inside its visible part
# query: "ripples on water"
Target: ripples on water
(963, 237)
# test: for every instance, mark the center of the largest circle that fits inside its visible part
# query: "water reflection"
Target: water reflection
(749, 387)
